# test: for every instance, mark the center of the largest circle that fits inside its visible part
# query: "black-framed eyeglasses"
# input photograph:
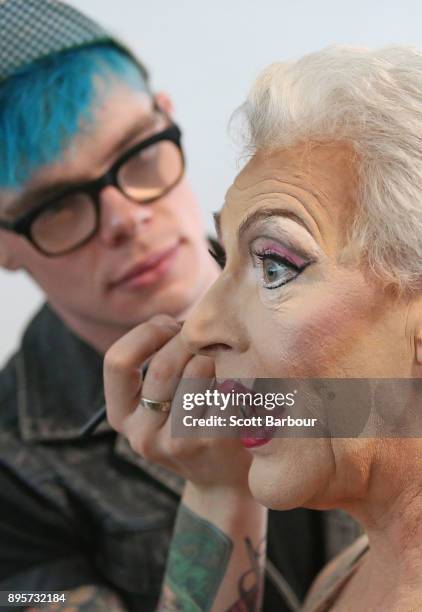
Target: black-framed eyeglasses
(144, 173)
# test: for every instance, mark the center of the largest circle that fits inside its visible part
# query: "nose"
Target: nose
(214, 325)
(120, 216)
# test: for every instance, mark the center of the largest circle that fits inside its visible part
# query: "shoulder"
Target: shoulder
(10, 383)
(334, 572)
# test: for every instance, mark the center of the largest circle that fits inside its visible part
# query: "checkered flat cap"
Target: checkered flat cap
(31, 30)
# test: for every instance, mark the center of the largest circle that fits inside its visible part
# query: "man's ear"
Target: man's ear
(164, 102)
(7, 258)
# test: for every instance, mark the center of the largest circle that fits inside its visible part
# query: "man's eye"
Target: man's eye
(148, 154)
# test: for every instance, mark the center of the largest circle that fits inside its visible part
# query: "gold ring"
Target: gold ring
(154, 405)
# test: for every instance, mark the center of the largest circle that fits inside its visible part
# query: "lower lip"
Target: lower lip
(154, 274)
(230, 385)
(254, 442)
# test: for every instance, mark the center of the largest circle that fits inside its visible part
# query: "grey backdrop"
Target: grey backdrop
(206, 54)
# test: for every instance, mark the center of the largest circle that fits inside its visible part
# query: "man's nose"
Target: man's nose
(214, 325)
(120, 217)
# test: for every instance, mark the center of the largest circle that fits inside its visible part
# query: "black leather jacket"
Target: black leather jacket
(77, 511)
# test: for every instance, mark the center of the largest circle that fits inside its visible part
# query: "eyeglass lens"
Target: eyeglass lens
(144, 177)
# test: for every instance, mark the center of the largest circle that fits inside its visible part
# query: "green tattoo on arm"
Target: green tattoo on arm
(198, 560)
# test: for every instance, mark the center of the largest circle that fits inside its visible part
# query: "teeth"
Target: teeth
(243, 408)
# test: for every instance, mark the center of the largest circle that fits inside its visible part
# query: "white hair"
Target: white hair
(372, 99)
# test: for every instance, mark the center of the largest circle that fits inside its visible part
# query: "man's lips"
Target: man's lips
(148, 269)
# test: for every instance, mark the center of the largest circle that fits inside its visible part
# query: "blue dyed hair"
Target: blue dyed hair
(42, 106)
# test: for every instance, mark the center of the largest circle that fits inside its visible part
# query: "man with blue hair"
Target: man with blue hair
(95, 207)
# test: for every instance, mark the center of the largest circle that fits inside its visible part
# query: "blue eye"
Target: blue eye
(276, 271)
(273, 271)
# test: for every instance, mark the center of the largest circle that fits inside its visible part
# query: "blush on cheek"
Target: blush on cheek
(323, 331)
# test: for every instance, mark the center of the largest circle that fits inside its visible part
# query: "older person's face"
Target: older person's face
(293, 302)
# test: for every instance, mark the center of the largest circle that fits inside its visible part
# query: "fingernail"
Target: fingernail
(167, 321)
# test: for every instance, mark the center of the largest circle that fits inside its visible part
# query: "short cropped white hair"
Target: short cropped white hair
(372, 99)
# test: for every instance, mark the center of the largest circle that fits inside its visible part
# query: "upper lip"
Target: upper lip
(143, 265)
(230, 384)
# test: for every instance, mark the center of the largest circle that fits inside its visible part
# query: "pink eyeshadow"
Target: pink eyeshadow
(279, 249)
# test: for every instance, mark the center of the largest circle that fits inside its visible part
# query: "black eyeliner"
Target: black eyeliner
(281, 260)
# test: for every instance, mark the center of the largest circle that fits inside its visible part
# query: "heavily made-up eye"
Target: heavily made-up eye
(276, 270)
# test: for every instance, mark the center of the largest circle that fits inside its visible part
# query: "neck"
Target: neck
(392, 518)
(100, 334)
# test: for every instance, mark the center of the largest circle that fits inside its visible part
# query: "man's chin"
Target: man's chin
(137, 309)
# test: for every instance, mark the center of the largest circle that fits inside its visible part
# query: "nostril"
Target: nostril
(213, 348)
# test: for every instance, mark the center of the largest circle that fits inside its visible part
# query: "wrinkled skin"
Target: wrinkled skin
(315, 313)
(333, 319)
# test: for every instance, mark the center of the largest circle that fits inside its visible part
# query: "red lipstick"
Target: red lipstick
(253, 442)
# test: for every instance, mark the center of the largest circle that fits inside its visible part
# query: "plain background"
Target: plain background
(206, 55)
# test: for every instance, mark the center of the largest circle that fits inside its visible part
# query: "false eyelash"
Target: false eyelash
(271, 255)
(218, 254)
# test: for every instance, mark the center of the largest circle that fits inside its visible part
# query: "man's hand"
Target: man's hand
(208, 463)
(219, 537)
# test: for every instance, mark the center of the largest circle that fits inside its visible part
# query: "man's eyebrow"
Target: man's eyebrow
(21, 206)
(136, 129)
(264, 213)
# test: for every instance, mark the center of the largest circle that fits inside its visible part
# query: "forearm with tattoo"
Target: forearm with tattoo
(198, 562)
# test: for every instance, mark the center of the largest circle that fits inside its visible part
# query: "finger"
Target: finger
(166, 369)
(145, 438)
(122, 363)
(200, 367)
(148, 432)
(197, 374)
(164, 372)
